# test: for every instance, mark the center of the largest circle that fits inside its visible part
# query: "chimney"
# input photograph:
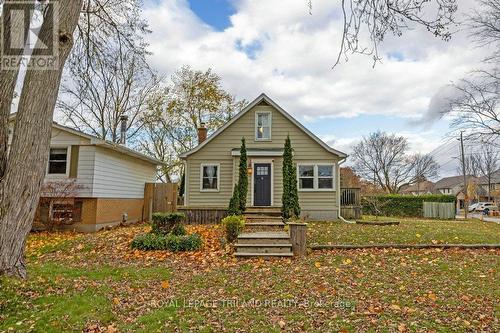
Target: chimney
(202, 133)
(123, 129)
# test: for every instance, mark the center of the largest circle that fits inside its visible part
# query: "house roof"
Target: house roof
(95, 141)
(495, 178)
(449, 182)
(421, 186)
(264, 97)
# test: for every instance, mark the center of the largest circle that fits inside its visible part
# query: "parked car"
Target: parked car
(482, 205)
(473, 207)
(489, 209)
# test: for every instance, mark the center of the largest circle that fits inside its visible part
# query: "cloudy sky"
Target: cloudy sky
(279, 48)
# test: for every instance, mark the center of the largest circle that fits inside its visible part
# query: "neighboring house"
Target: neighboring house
(92, 183)
(212, 167)
(420, 188)
(495, 187)
(451, 185)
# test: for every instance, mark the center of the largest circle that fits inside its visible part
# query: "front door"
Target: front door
(262, 184)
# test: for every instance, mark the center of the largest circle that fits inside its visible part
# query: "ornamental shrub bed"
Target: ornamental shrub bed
(170, 242)
(403, 205)
(166, 223)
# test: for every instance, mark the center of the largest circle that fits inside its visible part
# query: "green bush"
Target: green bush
(166, 223)
(403, 205)
(168, 242)
(233, 225)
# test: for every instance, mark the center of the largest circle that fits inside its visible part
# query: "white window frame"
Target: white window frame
(201, 177)
(316, 178)
(309, 177)
(68, 162)
(270, 125)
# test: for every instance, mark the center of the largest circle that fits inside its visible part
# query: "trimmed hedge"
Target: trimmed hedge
(166, 223)
(403, 205)
(168, 242)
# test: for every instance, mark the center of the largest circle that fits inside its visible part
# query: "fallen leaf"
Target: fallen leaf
(165, 284)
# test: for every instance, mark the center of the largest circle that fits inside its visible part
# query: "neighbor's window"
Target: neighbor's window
(58, 160)
(210, 177)
(306, 176)
(263, 126)
(316, 177)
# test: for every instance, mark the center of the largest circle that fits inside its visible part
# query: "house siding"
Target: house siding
(120, 176)
(316, 204)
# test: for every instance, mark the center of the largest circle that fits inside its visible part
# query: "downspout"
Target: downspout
(338, 193)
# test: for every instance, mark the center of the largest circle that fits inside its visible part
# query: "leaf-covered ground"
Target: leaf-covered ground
(96, 283)
(409, 231)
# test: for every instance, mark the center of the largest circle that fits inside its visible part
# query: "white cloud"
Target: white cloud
(279, 49)
(295, 52)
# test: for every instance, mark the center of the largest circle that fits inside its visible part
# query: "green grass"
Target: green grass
(409, 231)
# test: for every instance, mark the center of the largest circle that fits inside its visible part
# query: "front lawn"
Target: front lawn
(409, 231)
(97, 283)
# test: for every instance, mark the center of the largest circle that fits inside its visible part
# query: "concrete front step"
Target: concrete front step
(262, 255)
(263, 248)
(264, 237)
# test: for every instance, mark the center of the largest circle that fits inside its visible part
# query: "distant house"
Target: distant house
(92, 183)
(420, 188)
(212, 167)
(451, 185)
(495, 187)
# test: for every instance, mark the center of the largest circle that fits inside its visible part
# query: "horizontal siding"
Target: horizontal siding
(219, 151)
(85, 175)
(63, 138)
(120, 176)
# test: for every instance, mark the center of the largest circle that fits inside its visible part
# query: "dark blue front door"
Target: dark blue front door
(262, 184)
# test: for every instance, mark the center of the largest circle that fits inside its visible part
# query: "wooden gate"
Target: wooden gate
(159, 197)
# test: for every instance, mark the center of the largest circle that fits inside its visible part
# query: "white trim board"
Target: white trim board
(264, 97)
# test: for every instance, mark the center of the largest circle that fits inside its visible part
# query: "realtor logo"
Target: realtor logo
(29, 37)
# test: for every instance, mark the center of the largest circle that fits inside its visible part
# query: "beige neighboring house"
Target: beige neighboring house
(212, 166)
(92, 183)
(420, 188)
(495, 187)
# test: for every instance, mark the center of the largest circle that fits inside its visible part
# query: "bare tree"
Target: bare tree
(488, 162)
(22, 177)
(175, 114)
(384, 158)
(378, 18)
(107, 75)
(476, 110)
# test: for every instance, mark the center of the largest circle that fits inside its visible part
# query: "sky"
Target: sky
(284, 50)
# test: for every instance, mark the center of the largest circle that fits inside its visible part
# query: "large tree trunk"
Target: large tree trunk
(27, 160)
(8, 80)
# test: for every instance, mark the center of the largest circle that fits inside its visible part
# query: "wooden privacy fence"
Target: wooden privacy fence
(159, 197)
(442, 210)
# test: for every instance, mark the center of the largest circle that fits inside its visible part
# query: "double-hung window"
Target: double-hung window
(263, 126)
(210, 177)
(58, 161)
(316, 177)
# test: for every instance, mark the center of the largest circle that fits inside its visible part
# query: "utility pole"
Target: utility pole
(466, 194)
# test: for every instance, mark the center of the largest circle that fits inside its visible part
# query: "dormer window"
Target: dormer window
(263, 126)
